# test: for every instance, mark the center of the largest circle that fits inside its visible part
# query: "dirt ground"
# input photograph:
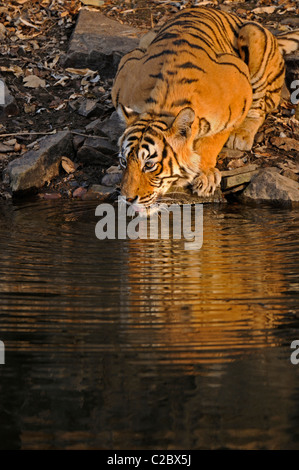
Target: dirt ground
(34, 39)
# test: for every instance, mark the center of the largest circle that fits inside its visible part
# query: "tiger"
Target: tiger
(203, 80)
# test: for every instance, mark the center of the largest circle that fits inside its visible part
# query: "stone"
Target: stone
(268, 186)
(103, 144)
(79, 192)
(111, 127)
(40, 166)
(291, 174)
(97, 191)
(237, 177)
(291, 20)
(91, 108)
(90, 156)
(8, 105)
(99, 43)
(5, 148)
(112, 179)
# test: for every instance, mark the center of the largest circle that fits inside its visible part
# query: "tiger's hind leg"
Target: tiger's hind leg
(259, 50)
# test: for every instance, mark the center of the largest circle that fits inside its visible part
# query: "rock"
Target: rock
(112, 179)
(91, 108)
(49, 196)
(6, 148)
(97, 191)
(291, 174)
(111, 127)
(268, 186)
(99, 43)
(179, 195)
(102, 144)
(237, 177)
(37, 167)
(292, 21)
(78, 141)
(79, 192)
(8, 105)
(114, 169)
(90, 156)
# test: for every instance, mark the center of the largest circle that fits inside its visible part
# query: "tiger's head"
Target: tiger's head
(154, 152)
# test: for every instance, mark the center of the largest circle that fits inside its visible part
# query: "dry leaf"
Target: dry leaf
(32, 81)
(93, 3)
(26, 23)
(68, 165)
(82, 72)
(15, 69)
(268, 10)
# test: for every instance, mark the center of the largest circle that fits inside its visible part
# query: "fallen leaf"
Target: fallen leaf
(82, 72)
(30, 25)
(29, 108)
(268, 10)
(68, 165)
(285, 143)
(94, 3)
(15, 69)
(32, 81)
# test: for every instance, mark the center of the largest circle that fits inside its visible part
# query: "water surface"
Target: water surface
(141, 344)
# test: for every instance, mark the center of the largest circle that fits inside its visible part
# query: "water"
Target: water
(141, 344)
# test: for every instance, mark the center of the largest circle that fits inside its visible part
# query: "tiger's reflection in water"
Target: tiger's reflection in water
(209, 305)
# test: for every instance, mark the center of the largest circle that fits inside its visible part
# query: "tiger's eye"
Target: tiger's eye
(148, 165)
(122, 161)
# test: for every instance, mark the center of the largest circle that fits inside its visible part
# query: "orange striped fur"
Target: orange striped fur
(203, 80)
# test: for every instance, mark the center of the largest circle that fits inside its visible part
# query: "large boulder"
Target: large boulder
(269, 186)
(39, 166)
(99, 43)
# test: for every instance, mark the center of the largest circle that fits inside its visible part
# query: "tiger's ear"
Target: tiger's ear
(181, 126)
(127, 115)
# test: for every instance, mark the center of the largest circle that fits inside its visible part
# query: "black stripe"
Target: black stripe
(151, 100)
(234, 65)
(190, 65)
(158, 76)
(149, 140)
(188, 81)
(165, 36)
(167, 52)
(181, 102)
(129, 59)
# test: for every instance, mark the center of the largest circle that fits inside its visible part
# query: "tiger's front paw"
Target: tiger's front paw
(205, 183)
(241, 139)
